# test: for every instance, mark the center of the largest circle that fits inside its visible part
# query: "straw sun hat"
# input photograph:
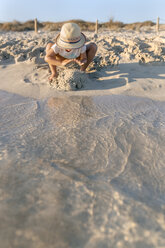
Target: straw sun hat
(70, 37)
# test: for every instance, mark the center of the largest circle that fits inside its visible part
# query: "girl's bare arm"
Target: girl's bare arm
(82, 59)
(51, 58)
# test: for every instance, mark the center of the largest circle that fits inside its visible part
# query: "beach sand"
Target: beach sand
(83, 166)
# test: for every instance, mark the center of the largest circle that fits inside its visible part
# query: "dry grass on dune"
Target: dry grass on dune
(51, 26)
(116, 25)
(85, 26)
(19, 26)
(139, 25)
(113, 25)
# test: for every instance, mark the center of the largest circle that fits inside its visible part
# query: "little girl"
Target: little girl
(69, 47)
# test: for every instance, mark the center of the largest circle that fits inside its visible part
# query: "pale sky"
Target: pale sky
(89, 10)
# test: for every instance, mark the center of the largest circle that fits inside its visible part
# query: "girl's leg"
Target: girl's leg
(53, 68)
(91, 51)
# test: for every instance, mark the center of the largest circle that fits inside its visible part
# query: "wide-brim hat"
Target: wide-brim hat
(70, 37)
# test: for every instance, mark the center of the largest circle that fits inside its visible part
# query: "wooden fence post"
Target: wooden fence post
(35, 25)
(96, 27)
(157, 25)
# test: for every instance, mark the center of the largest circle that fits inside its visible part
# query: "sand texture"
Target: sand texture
(70, 79)
(112, 47)
(82, 162)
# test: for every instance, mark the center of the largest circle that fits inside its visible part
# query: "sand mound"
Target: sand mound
(70, 79)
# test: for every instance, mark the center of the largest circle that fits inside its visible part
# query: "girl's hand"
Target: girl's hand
(83, 61)
(66, 61)
(80, 62)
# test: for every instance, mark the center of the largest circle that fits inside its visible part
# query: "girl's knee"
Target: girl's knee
(92, 47)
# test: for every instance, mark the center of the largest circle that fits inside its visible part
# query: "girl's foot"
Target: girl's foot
(52, 77)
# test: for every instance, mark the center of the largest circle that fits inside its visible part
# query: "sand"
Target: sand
(70, 79)
(122, 58)
(82, 159)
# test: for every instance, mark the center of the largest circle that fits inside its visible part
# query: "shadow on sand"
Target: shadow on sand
(124, 74)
